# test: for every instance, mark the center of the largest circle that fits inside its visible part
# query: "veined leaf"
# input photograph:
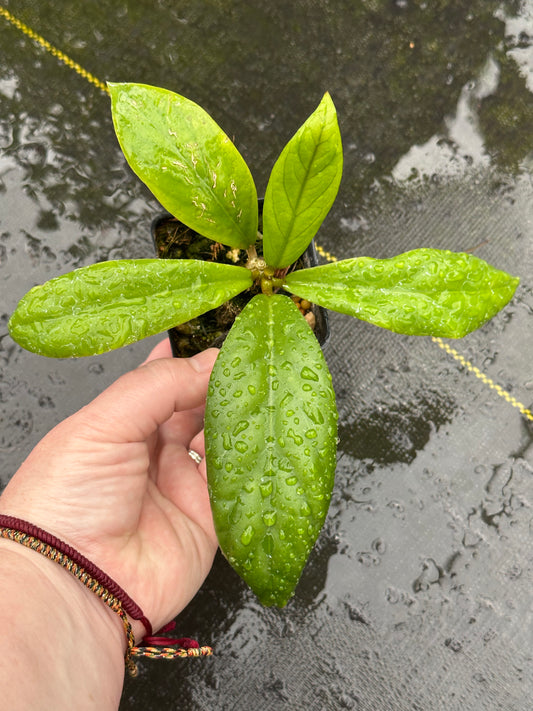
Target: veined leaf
(187, 161)
(270, 433)
(110, 304)
(420, 293)
(302, 187)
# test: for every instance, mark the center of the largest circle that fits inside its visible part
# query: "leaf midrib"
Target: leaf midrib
(303, 183)
(85, 310)
(205, 182)
(338, 287)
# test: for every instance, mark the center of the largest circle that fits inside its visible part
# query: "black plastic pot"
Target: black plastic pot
(166, 224)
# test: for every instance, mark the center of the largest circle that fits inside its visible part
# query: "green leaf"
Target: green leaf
(270, 433)
(110, 304)
(426, 292)
(187, 161)
(302, 187)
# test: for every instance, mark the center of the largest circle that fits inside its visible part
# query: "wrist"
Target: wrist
(21, 531)
(60, 628)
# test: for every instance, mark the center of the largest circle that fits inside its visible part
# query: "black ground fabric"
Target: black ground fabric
(418, 594)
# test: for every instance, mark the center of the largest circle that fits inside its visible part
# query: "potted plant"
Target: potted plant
(174, 240)
(270, 422)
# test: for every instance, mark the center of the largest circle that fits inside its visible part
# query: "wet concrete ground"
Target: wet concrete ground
(418, 594)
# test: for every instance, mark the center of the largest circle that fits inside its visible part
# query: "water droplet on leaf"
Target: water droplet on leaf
(266, 489)
(247, 535)
(308, 374)
(240, 427)
(269, 518)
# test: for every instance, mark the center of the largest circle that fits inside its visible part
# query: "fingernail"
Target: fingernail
(203, 362)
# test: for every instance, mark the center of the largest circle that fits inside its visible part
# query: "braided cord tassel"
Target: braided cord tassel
(171, 652)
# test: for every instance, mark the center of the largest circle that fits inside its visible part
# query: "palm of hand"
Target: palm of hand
(118, 484)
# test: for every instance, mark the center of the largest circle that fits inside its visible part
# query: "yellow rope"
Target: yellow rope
(484, 378)
(53, 50)
(321, 251)
(326, 255)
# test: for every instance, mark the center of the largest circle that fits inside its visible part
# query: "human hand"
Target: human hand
(116, 482)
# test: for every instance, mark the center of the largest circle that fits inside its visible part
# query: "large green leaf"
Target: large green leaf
(110, 304)
(302, 187)
(270, 434)
(419, 293)
(187, 161)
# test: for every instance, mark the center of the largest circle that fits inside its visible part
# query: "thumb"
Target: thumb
(136, 404)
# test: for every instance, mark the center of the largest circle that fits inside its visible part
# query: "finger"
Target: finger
(161, 350)
(180, 430)
(140, 401)
(185, 485)
(197, 444)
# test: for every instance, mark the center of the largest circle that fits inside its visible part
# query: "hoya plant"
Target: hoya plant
(271, 422)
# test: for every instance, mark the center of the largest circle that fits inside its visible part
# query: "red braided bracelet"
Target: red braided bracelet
(129, 606)
(103, 586)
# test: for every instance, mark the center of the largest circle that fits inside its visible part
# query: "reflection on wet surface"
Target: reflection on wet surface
(417, 595)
